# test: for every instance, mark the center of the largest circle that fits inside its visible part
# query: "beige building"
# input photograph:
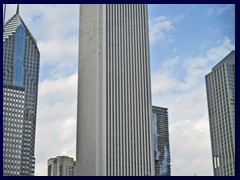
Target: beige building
(61, 166)
(220, 84)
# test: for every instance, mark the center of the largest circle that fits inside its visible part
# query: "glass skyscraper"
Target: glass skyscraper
(114, 127)
(161, 141)
(20, 87)
(220, 86)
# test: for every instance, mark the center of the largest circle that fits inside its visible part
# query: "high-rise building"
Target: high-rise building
(220, 86)
(20, 86)
(61, 166)
(161, 141)
(114, 128)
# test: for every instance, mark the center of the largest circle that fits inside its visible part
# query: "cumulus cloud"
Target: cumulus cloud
(55, 51)
(161, 27)
(55, 27)
(190, 147)
(195, 68)
(222, 9)
(56, 121)
(188, 131)
(186, 101)
(183, 94)
(158, 28)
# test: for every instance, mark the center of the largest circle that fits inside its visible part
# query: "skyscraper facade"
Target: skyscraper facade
(20, 86)
(61, 166)
(114, 128)
(161, 141)
(220, 86)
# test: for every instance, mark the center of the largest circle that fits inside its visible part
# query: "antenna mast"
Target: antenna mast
(5, 6)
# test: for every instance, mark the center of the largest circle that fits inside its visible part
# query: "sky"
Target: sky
(186, 41)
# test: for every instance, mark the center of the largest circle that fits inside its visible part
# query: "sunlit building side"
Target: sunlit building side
(220, 86)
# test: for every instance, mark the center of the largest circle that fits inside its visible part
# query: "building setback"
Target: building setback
(220, 86)
(114, 128)
(20, 86)
(61, 166)
(161, 141)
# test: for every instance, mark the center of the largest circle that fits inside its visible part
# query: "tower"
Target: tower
(20, 86)
(220, 86)
(161, 141)
(61, 166)
(114, 128)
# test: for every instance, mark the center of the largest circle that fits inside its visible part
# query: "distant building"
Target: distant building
(161, 141)
(220, 86)
(20, 88)
(61, 166)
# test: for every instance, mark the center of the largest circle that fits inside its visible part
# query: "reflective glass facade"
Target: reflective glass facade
(161, 141)
(20, 70)
(18, 56)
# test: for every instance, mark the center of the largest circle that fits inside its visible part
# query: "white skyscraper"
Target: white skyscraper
(220, 84)
(114, 128)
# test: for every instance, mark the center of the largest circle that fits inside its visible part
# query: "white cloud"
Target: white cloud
(56, 120)
(222, 9)
(189, 131)
(220, 51)
(158, 29)
(169, 63)
(163, 83)
(190, 147)
(178, 18)
(185, 98)
(55, 27)
(195, 68)
(55, 51)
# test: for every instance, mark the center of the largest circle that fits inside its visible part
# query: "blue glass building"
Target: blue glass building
(161, 141)
(20, 87)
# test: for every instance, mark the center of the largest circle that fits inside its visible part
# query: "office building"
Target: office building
(13, 99)
(161, 141)
(114, 128)
(220, 86)
(20, 86)
(61, 166)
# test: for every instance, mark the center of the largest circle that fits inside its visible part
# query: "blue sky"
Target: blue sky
(186, 41)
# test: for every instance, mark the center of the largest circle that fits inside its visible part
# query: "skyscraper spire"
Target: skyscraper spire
(17, 12)
(5, 6)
